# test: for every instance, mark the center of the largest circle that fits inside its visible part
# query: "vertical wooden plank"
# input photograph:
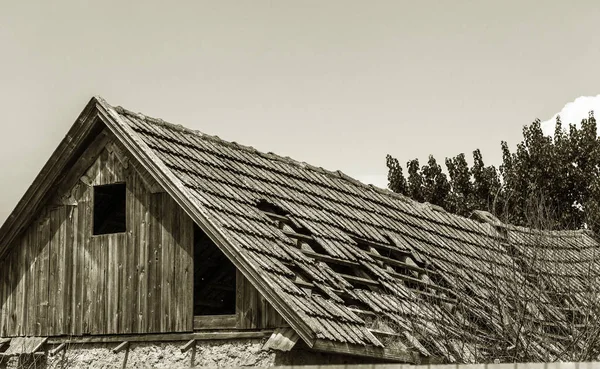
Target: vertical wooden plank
(88, 257)
(67, 312)
(158, 262)
(15, 303)
(10, 270)
(130, 250)
(3, 298)
(53, 281)
(43, 241)
(176, 290)
(124, 296)
(77, 271)
(239, 300)
(118, 277)
(83, 280)
(10, 303)
(96, 251)
(21, 295)
(102, 272)
(151, 270)
(183, 227)
(27, 243)
(189, 280)
(100, 244)
(111, 291)
(110, 273)
(60, 214)
(142, 207)
(91, 287)
(134, 242)
(174, 240)
(251, 297)
(166, 265)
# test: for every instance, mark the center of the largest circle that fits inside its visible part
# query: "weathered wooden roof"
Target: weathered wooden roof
(353, 268)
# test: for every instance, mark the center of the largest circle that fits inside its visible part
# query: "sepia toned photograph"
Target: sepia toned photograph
(337, 184)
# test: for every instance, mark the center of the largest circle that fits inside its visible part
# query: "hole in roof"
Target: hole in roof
(389, 239)
(343, 269)
(269, 207)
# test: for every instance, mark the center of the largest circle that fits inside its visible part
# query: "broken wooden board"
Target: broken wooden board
(25, 345)
(283, 339)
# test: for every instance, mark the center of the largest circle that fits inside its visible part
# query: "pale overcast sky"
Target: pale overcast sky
(338, 84)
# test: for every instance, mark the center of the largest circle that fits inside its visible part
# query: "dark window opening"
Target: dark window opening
(214, 278)
(110, 209)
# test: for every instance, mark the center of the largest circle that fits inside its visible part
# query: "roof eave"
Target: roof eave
(381, 353)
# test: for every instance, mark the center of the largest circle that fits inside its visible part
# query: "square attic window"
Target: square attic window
(109, 209)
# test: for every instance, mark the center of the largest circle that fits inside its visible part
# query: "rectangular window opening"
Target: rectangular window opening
(110, 209)
(214, 278)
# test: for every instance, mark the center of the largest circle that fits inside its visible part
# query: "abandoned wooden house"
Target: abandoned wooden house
(139, 233)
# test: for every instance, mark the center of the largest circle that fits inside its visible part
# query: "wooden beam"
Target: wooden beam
(360, 280)
(60, 347)
(381, 246)
(188, 345)
(167, 337)
(384, 333)
(420, 282)
(298, 236)
(401, 264)
(362, 312)
(203, 322)
(435, 297)
(39, 346)
(384, 354)
(123, 346)
(303, 284)
(330, 259)
(283, 339)
(280, 218)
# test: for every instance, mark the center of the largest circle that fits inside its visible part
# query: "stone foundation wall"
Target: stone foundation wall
(151, 355)
(229, 353)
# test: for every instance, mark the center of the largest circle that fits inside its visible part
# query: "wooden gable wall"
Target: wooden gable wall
(60, 279)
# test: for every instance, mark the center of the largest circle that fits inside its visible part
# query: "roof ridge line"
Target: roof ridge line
(270, 155)
(332, 173)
